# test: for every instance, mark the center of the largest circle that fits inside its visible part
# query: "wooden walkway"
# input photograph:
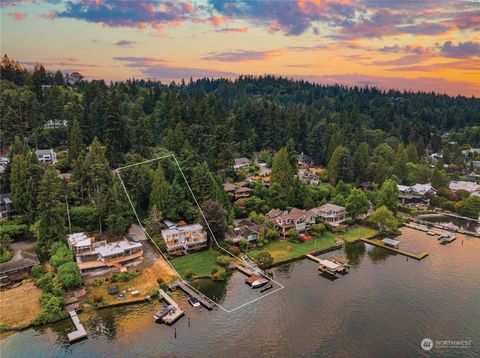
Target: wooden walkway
(313, 258)
(244, 270)
(379, 243)
(204, 300)
(79, 332)
(171, 317)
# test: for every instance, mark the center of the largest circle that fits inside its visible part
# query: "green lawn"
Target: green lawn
(284, 250)
(358, 232)
(201, 263)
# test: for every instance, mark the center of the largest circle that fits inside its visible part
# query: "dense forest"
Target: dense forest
(358, 134)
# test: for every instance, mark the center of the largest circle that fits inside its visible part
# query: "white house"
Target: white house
(332, 214)
(46, 156)
(240, 163)
(184, 238)
(55, 123)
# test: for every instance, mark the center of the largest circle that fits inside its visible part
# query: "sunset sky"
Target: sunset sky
(419, 45)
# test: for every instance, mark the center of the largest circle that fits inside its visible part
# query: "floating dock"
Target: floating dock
(79, 332)
(341, 261)
(171, 317)
(328, 266)
(379, 243)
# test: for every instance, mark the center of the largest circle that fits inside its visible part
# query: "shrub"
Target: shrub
(235, 250)
(153, 293)
(272, 234)
(189, 274)
(293, 235)
(124, 276)
(15, 231)
(53, 309)
(45, 282)
(37, 271)
(224, 260)
(263, 259)
(220, 274)
(163, 286)
(61, 255)
(159, 280)
(243, 244)
(69, 275)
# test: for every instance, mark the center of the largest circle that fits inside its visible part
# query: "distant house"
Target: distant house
(229, 187)
(243, 192)
(332, 214)
(297, 219)
(46, 156)
(420, 189)
(471, 187)
(55, 123)
(6, 207)
(184, 239)
(304, 160)
(245, 230)
(3, 164)
(410, 199)
(99, 256)
(308, 177)
(18, 268)
(240, 163)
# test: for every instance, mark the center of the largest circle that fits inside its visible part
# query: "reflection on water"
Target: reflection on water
(356, 315)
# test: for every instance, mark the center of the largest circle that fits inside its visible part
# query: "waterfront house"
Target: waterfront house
(46, 156)
(184, 239)
(420, 189)
(240, 163)
(245, 230)
(298, 219)
(18, 268)
(94, 256)
(332, 214)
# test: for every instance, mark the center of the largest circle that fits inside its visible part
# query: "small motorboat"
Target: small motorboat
(266, 288)
(193, 301)
(257, 281)
(451, 227)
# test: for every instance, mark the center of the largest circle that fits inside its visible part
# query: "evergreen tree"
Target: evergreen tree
(400, 167)
(116, 139)
(360, 162)
(75, 141)
(116, 209)
(339, 165)
(439, 179)
(161, 196)
(412, 153)
(283, 175)
(51, 213)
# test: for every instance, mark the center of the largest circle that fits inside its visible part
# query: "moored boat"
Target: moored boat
(193, 301)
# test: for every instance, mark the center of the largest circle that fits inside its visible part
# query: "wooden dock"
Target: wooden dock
(204, 300)
(79, 332)
(313, 258)
(244, 270)
(170, 318)
(379, 243)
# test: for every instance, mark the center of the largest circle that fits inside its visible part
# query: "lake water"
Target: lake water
(383, 308)
(467, 225)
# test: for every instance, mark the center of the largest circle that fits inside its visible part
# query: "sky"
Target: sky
(422, 45)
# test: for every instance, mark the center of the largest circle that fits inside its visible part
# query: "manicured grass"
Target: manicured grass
(202, 263)
(284, 250)
(356, 232)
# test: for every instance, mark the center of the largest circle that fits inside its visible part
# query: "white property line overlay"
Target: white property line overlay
(209, 229)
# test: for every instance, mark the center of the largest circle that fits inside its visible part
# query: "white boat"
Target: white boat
(193, 301)
(260, 282)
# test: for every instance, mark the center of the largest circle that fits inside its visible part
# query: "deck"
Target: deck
(171, 317)
(244, 270)
(379, 243)
(79, 332)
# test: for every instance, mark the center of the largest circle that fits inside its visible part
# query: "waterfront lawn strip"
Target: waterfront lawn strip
(202, 263)
(284, 250)
(357, 232)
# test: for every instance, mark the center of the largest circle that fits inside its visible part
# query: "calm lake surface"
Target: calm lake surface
(464, 224)
(383, 308)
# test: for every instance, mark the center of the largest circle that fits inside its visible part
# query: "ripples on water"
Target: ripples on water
(384, 307)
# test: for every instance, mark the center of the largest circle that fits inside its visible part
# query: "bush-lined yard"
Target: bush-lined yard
(284, 250)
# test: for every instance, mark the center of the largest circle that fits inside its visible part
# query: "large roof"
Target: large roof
(26, 259)
(117, 247)
(182, 229)
(331, 207)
